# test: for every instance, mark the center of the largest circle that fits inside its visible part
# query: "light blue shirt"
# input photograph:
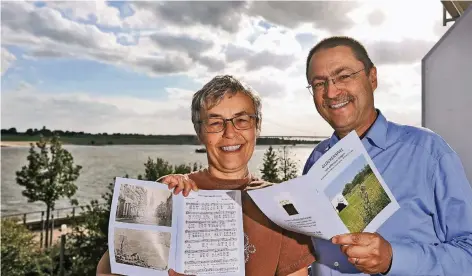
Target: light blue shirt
(431, 233)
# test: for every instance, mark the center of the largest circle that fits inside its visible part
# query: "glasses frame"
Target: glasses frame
(225, 121)
(311, 90)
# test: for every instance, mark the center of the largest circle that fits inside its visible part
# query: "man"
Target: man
(431, 233)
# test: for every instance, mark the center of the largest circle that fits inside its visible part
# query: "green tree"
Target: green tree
(20, 252)
(269, 169)
(287, 166)
(89, 238)
(155, 169)
(49, 175)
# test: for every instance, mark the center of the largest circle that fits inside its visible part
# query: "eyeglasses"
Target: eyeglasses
(241, 122)
(339, 82)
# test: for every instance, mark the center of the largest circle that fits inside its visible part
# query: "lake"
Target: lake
(100, 164)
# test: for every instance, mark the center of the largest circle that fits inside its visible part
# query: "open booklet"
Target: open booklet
(342, 193)
(152, 230)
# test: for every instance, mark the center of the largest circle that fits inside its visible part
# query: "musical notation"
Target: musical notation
(211, 235)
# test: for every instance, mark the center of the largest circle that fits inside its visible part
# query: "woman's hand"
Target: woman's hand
(173, 273)
(179, 182)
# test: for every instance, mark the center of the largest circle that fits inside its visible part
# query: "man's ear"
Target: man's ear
(373, 77)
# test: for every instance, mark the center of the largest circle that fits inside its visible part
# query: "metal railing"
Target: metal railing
(36, 220)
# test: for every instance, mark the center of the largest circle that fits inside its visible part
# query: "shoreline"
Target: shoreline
(12, 144)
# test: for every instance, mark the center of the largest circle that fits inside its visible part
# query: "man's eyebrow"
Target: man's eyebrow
(340, 69)
(334, 72)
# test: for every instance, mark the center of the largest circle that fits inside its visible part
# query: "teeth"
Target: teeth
(231, 148)
(339, 105)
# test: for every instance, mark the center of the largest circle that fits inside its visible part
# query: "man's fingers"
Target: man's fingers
(352, 239)
(355, 251)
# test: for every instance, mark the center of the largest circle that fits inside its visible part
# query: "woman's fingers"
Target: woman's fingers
(180, 183)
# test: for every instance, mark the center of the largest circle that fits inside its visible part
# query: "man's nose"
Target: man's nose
(331, 91)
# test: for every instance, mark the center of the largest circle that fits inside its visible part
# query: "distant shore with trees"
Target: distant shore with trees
(15, 137)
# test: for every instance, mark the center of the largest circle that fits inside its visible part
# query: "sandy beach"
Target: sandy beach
(16, 143)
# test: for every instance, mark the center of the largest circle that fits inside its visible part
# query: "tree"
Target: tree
(20, 252)
(269, 169)
(49, 175)
(287, 166)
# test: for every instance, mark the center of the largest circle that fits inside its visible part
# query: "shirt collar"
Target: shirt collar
(377, 134)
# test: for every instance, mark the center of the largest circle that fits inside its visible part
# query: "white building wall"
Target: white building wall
(447, 89)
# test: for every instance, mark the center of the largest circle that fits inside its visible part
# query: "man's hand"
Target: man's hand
(369, 252)
(179, 182)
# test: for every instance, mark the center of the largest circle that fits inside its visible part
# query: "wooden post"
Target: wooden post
(42, 230)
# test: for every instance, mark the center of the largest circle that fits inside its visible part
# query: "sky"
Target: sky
(132, 67)
(345, 177)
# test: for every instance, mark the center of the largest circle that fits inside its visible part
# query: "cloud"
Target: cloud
(398, 52)
(193, 47)
(327, 15)
(225, 15)
(49, 24)
(7, 60)
(97, 11)
(376, 17)
(257, 60)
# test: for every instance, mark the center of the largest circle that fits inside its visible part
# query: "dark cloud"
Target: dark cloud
(164, 65)
(376, 18)
(328, 15)
(222, 14)
(403, 52)
(194, 47)
(48, 23)
(257, 60)
(50, 53)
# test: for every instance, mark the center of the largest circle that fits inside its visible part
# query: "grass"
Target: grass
(354, 215)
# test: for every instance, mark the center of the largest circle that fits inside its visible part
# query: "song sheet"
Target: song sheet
(151, 230)
(212, 233)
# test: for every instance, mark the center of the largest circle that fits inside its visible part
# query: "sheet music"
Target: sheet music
(151, 230)
(212, 233)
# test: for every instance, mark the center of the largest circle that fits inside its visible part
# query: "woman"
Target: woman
(227, 119)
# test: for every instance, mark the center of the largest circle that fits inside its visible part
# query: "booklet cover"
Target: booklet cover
(342, 193)
(152, 230)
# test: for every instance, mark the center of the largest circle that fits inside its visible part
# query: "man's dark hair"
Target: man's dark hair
(357, 48)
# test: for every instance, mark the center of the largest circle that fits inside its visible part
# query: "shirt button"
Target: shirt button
(336, 264)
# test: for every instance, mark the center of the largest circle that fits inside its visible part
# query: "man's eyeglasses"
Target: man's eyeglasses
(339, 82)
(241, 122)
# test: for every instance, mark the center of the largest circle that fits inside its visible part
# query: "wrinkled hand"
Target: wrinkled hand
(171, 272)
(179, 182)
(369, 252)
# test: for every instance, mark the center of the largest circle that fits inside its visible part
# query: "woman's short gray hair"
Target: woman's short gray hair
(214, 91)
